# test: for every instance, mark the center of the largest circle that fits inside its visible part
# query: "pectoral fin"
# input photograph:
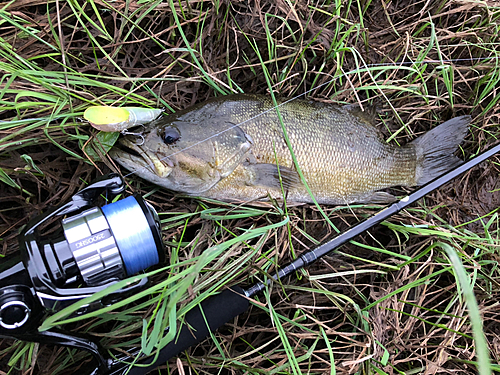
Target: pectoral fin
(272, 176)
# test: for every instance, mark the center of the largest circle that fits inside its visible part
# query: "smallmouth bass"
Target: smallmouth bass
(233, 149)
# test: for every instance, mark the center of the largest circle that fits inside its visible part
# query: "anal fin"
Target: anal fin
(378, 197)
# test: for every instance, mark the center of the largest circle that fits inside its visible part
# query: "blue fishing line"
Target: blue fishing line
(132, 234)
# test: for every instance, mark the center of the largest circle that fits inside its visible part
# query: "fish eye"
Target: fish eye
(170, 135)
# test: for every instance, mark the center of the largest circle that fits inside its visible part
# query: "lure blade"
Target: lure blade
(118, 119)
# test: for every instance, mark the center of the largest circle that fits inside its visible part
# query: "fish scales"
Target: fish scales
(233, 149)
(343, 158)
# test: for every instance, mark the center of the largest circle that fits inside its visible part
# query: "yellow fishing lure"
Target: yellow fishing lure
(119, 119)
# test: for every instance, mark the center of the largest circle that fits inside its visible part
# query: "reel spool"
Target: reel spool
(101, 244)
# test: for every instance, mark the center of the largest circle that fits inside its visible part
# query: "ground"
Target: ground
(391, 303)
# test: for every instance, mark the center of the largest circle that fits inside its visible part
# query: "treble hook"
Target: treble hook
(139, 134)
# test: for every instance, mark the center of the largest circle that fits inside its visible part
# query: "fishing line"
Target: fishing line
(132, 233)
(366, 68)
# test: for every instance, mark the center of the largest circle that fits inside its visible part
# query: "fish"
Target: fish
(234, 149)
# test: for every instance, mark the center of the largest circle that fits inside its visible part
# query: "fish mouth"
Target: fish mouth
(127, 149)
(136, 157)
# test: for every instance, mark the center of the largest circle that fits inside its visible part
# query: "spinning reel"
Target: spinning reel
(72, 252)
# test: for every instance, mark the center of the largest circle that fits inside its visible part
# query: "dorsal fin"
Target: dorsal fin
(368, 114)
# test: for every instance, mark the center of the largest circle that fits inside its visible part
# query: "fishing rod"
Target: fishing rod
(217, 310)
(78, 249)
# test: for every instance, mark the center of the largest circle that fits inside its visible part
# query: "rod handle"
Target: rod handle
(217, 311)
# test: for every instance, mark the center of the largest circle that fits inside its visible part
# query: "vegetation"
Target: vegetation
(418, 294)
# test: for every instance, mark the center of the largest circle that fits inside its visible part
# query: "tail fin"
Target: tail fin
(435, 149)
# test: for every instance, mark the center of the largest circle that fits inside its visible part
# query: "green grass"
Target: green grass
(374, 306)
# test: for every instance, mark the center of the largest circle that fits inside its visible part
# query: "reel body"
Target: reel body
(72, 252)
